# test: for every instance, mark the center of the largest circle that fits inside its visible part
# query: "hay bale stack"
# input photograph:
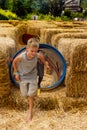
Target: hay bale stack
(66, 46)
(79, 58)
(24, 29)
(76, 77)
(8, 31)
(20, 30)
(6, 50)
(76, 84)
(74, 34)
(49, 35)
(8, 45)
(4, 79)
(35, 27)
(33, 31)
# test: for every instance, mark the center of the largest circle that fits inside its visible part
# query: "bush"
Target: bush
(76, 15)
(46, 17)
(29, 16)
(40, 17)
(67, 13)
(85, 13)
(7, 15)
(65, 18)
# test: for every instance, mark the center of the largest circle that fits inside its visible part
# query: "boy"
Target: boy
(25, 71)
(40, 72)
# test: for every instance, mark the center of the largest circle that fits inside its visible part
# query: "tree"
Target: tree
(55, 7)
(84, 4)
(2, 4)
(40, 6)
(20, 7)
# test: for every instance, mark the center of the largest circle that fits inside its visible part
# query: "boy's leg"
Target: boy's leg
(32, 92)
(39, 82)
(31, 104)
(23, 88)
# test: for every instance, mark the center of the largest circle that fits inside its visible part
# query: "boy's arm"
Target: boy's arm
(41, 57)
(15, 61)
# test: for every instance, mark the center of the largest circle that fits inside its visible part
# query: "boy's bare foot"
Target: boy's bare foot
(29, 118)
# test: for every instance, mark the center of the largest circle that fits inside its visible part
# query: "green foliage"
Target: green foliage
(2, 4)
(58, 18)
(85, 13)
(23, 7)
(40, 6)
(67, 13)
(65, 18)
(76, 14)
(8, 5)
(42, 17)
(84, 4)
(46, 17)
(29, 16)
(7, 15)
(55, 7)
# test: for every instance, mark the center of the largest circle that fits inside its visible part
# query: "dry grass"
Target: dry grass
(52, 110)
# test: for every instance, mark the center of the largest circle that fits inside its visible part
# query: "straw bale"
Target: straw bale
(8, 46)
(41, 24)
(20, 30)
(7, 49)
(67, 45)
(4, 80)
(15, 99)
(33, 31)
(78, 59)
(64, 46)
(77, 34)
(73, 104)
(8, 31)
(76, 84)
(47, 35)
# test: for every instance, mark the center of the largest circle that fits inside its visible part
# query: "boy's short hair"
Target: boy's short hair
(33, 42)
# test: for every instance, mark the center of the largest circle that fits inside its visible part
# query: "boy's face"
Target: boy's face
(32, 51)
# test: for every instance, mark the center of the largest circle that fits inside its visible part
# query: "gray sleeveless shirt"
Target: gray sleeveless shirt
(27, 68)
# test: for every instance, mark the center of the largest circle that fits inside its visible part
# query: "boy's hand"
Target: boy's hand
(16, 76)
(47, 66)
(48, 69)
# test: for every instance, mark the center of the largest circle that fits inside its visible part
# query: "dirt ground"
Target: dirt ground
(44, 119)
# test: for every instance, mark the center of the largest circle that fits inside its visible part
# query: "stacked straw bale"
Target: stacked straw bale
(34, 31)
(49, 35)
(76, 77)
(66, 46)
(7, 49)
(20, 30)
(8, 31)
(74, 34)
